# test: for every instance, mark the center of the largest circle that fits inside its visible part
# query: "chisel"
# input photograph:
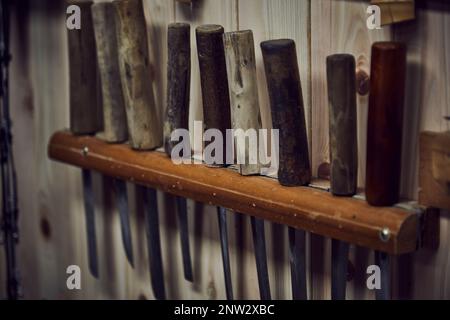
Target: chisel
(216, 110)
(85, 111)
(114, 117)
(245, 114)
(288, 116)
(135, 75)
(384, 134)
(153, 242)
(341, 81)
(177, 116)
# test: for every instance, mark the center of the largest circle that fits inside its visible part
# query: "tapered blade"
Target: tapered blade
(383, 260)
(122, 205)
(222, 217)
(184, 237)
(297, 258)
(154, 242)
(88, 196)
(339, 267)
(259, 243)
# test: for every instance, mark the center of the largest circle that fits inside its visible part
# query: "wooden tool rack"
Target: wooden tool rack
(392, 230)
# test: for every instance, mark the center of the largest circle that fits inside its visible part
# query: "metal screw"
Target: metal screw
(85, 151)
(385, 234)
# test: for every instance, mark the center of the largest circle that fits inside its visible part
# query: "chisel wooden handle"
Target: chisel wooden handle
(214, 83)
(143, 128)
(243, 87)
(385, 119)
(114, 117)
(178, 81)
(343, 139)
(288, 115)
(85, 112)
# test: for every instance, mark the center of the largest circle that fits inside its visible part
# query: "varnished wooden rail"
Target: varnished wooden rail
(313, 210)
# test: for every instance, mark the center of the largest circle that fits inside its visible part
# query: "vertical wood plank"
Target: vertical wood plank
(427, 102)
(337, 27)
(274, 19)
(208, 273)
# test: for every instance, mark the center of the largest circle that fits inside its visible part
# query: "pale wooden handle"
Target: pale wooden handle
(114, 117)
(85, 111)
(243, 87)
(143, 127)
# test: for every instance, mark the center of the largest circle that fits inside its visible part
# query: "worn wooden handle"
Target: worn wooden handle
(384, 128)
(342, 116)
(114, 117)
(178, 81)
(214, 83)
(243, 86)
(143, 127)
(288, 114)
(85, 111)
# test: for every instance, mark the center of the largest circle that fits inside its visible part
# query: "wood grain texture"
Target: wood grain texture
(85, 112)
(288, 114)
(179, 80)
(343, 139)
(46, 188)
(243, 87)
(434, 170)
(143, 124)
(274, 19)
(338, 27)
(385, 123)
(428, 101)
(214, 83)
(114, 116)
(207, 272)
(319, 212)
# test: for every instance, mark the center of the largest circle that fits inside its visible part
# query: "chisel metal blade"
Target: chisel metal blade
(383, 260)
(88, 195)
(153, 242)
(259, 243)
(339, 263)
(222, 217)
(297, 258)
(122, 205)
(184, 237)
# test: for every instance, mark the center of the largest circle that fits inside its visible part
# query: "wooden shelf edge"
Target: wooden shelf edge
(346, 219)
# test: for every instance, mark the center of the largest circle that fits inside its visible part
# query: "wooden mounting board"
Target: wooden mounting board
(316, 211)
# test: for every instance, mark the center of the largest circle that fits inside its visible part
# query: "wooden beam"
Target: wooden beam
(434, 170)
(306, 208)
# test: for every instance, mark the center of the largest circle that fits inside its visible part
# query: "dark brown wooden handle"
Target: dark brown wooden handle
(114, 117)
(288, 114)
(178, 81)
(85, 111)
(385, 119)
(341, 81)
(214, 83)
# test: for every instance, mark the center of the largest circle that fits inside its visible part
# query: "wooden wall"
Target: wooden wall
(51, 208)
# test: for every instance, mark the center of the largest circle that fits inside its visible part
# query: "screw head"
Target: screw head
(385, 234)
(85, 151)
